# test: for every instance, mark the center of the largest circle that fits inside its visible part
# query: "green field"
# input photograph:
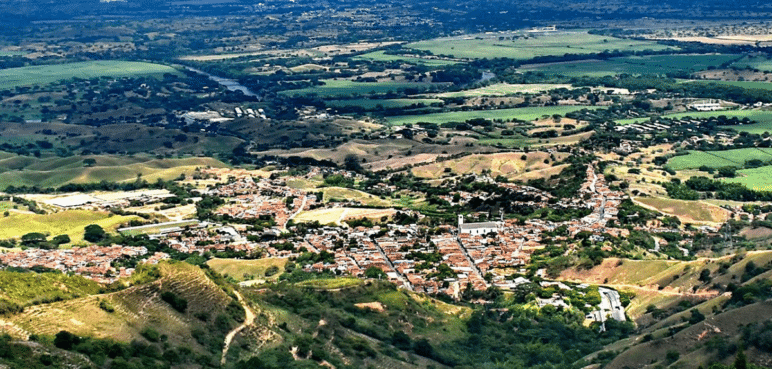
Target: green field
(31, 288)
(56, 171)
(718, 159)
(503, 89)
(381, 56)
(11, 53)
(158, 229)
(761, 63)
(531, 113)
(347, 87)
(71, 223)
(764, 117)
(369, 104)
(743, 84)
(653, 64)
(43, 74)
(523, 49)
(758, 179)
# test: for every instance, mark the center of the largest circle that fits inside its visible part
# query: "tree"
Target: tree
(740, 361)
(375, 273)
(66, 340)
(89, 162)
(94, 233)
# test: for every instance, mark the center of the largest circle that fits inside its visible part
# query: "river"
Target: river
(230, 84)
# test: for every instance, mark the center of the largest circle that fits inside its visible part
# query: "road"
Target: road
(471, 262)
(302, 206)
(248, 320)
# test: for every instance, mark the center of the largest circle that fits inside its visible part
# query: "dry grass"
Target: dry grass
(686, 211)
(242, 270)
(510, 165)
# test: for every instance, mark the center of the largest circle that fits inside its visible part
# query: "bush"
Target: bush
(178, 303)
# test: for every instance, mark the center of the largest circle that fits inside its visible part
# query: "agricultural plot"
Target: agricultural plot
(523, 49)
(332, 88)
(504, 89)
(509, 165)
(526, 114)
(55, 171)
(43, 74)
(70, 222)
(757, 179)
(761, 63)
(743, 84)
(653, 64)
(761, 116)
(381, 56)
(340, 215)
(347, 194)
(718, 159)
(686, 211)
(369, 104)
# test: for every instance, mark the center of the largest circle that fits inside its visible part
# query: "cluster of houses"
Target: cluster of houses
(93, 262)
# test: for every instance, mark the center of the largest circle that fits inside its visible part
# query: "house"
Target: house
(480, 228)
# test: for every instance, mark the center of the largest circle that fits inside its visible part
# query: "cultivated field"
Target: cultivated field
(383, 57)
(758, 179)
(43, 74)
(542, 45)
(763, 117)
(56, 171)
(345, 87)
(526, 114)
(654, 64)
(686, 211)
(386, 104)
(71, 223)
(718, 159)
(504, 89)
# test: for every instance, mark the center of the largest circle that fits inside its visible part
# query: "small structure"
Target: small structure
(480, 228)
(710, 105)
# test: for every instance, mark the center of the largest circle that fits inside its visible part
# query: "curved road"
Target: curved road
(249, 319)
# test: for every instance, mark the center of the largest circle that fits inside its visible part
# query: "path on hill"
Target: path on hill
(249, 319)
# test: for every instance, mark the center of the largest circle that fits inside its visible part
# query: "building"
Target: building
(710, 105)
(481, 228)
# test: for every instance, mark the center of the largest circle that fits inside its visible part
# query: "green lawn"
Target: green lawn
(43, 74)
(522, 49)
(718, 159)
(653, 64)
(531, 113)
(383, 57)
(332, 88)
(369, 104)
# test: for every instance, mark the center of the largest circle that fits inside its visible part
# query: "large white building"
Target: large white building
(480, 228)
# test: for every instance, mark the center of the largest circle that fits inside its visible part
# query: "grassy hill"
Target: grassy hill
(43, 74)
(71, 223)
(55, 171)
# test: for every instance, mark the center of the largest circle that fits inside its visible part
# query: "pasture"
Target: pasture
(56, 171)
(381, 56)
(525, 114)
(504, 89)
(509, 165)
(340, 215)
(71, 223)
(686, 211)
(757, 179)
(369, 104)
(345, 87)
(242, 270)
(531, 47)
(637, 65)
(760, 116)
(743, 84)
(44, 74)
(718, 159)
(761, 63)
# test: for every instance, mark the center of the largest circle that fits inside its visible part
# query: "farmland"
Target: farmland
(526, 114)
(761, 116)
(340, 215)
(503, 89)
(655, 64)
(509, 165)
(718, 159)
(55, 171)
(383, 57)
(344, 87)
(523, 49)
(686, 211)
(368, 104)
(39, 75)
(71, 223)
(757, 179)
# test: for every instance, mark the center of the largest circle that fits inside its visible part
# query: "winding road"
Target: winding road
(249, 319)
